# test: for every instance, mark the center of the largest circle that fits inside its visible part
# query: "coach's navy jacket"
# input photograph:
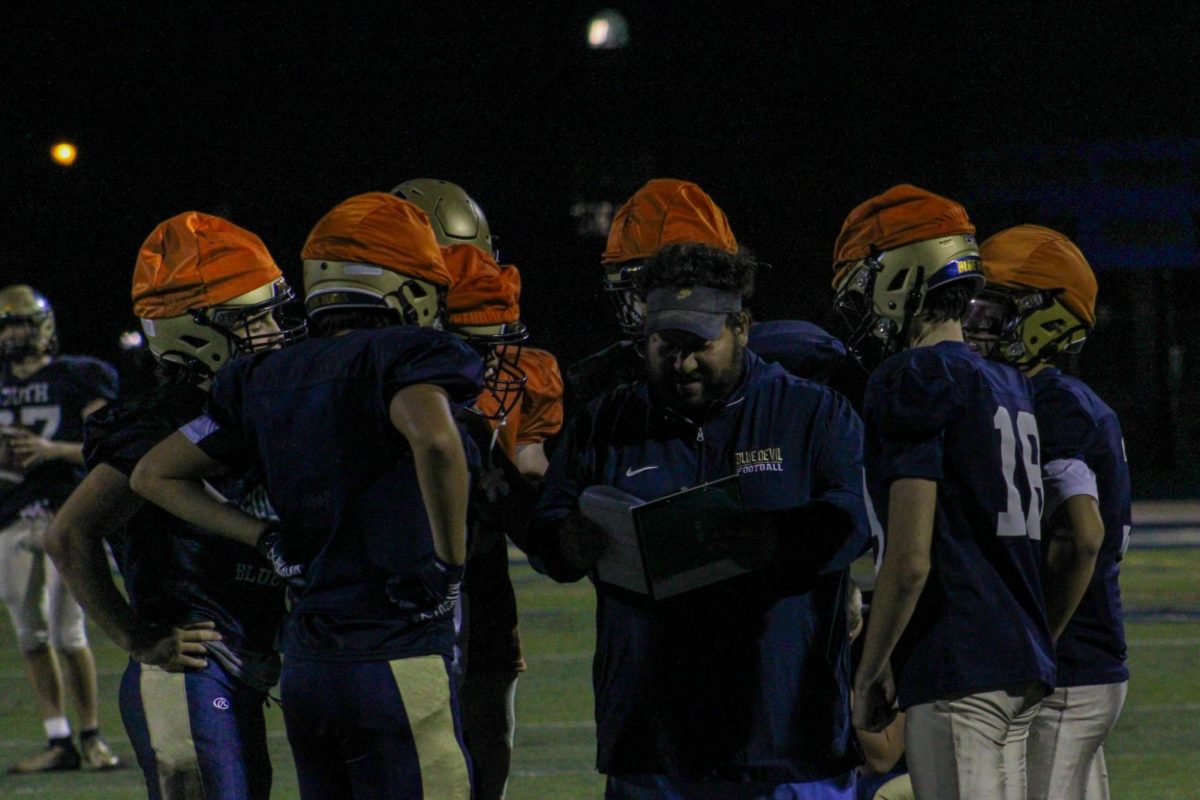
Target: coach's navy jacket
(747, 679)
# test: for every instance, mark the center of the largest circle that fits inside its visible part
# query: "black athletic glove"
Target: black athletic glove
(429, 594)
(270, 544)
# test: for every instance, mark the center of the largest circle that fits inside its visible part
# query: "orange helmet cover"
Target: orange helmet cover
(666, 211)
(1040, 258)
(542, 404)
(482, 292)
(380, 229)
(195, 260)
(902, 215)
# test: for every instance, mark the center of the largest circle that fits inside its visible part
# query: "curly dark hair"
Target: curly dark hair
(947, 303)
(679, 266)
(330, 323)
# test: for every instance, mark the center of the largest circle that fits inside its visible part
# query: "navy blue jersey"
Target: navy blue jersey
(342, 479)
(175, 574)
(944, 414)
(1083, 452)
(600, 373)
(746, 679)
(50, 403)
(802, 348)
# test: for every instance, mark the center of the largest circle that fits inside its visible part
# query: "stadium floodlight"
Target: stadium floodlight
(64, 153)
(608, 30)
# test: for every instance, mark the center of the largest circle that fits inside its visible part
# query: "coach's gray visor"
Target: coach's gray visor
(696, 309)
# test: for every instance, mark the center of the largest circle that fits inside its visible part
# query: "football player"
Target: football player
(952, 462)
(364, 465)
(667, 211)
(44, 398)
(205, 291)
(458, 222)
(522, 406)
(1040, 303)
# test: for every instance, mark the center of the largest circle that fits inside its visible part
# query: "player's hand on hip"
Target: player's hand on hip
(175, 649)
(431, 592)
(580, 541)
(874, 701)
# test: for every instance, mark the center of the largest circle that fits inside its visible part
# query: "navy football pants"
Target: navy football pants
(196, 734)
(375, 729)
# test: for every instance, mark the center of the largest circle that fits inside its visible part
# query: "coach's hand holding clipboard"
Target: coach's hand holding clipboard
(678, 543)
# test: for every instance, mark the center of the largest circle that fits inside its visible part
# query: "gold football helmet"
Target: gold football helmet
(878, 296)
(340, 285)
(206, 291)
(454, 216)
(1040, 300)
(204, 339)
(26, 308)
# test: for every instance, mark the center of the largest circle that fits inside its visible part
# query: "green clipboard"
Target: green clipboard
(674, 533)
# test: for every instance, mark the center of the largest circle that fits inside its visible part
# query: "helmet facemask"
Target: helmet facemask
(204, 339)
(503, 378)
(236, 321)
(880, 295)
(619, 285)
(1022, 326)
(22, 307)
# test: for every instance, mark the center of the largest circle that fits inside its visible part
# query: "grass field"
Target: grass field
(1151, 754)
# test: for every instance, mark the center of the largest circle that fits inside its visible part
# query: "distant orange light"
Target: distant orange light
(64, 153)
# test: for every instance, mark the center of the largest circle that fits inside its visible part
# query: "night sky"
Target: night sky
(270, 114)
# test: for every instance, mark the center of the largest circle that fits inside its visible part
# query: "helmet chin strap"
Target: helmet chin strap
(912, 303)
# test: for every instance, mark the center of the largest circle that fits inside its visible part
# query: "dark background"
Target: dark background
(787, 115)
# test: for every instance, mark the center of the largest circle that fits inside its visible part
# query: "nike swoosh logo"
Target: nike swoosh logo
(629, 473)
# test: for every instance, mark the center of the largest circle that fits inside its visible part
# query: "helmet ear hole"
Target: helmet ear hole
(419, 304)
(898, 281)
(193, 341)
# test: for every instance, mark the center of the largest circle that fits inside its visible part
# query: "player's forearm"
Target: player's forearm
(70, 452)
(906, 565)
(897, 590)
(84, 566)
(1071, 559)
(1068, 573)
(422, 414)
(75, 542)
(187, 499)
(442, 474)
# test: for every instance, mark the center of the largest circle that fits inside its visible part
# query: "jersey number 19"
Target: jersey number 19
(1020, 443)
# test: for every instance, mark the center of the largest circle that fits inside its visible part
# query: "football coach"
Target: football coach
(738, 689)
